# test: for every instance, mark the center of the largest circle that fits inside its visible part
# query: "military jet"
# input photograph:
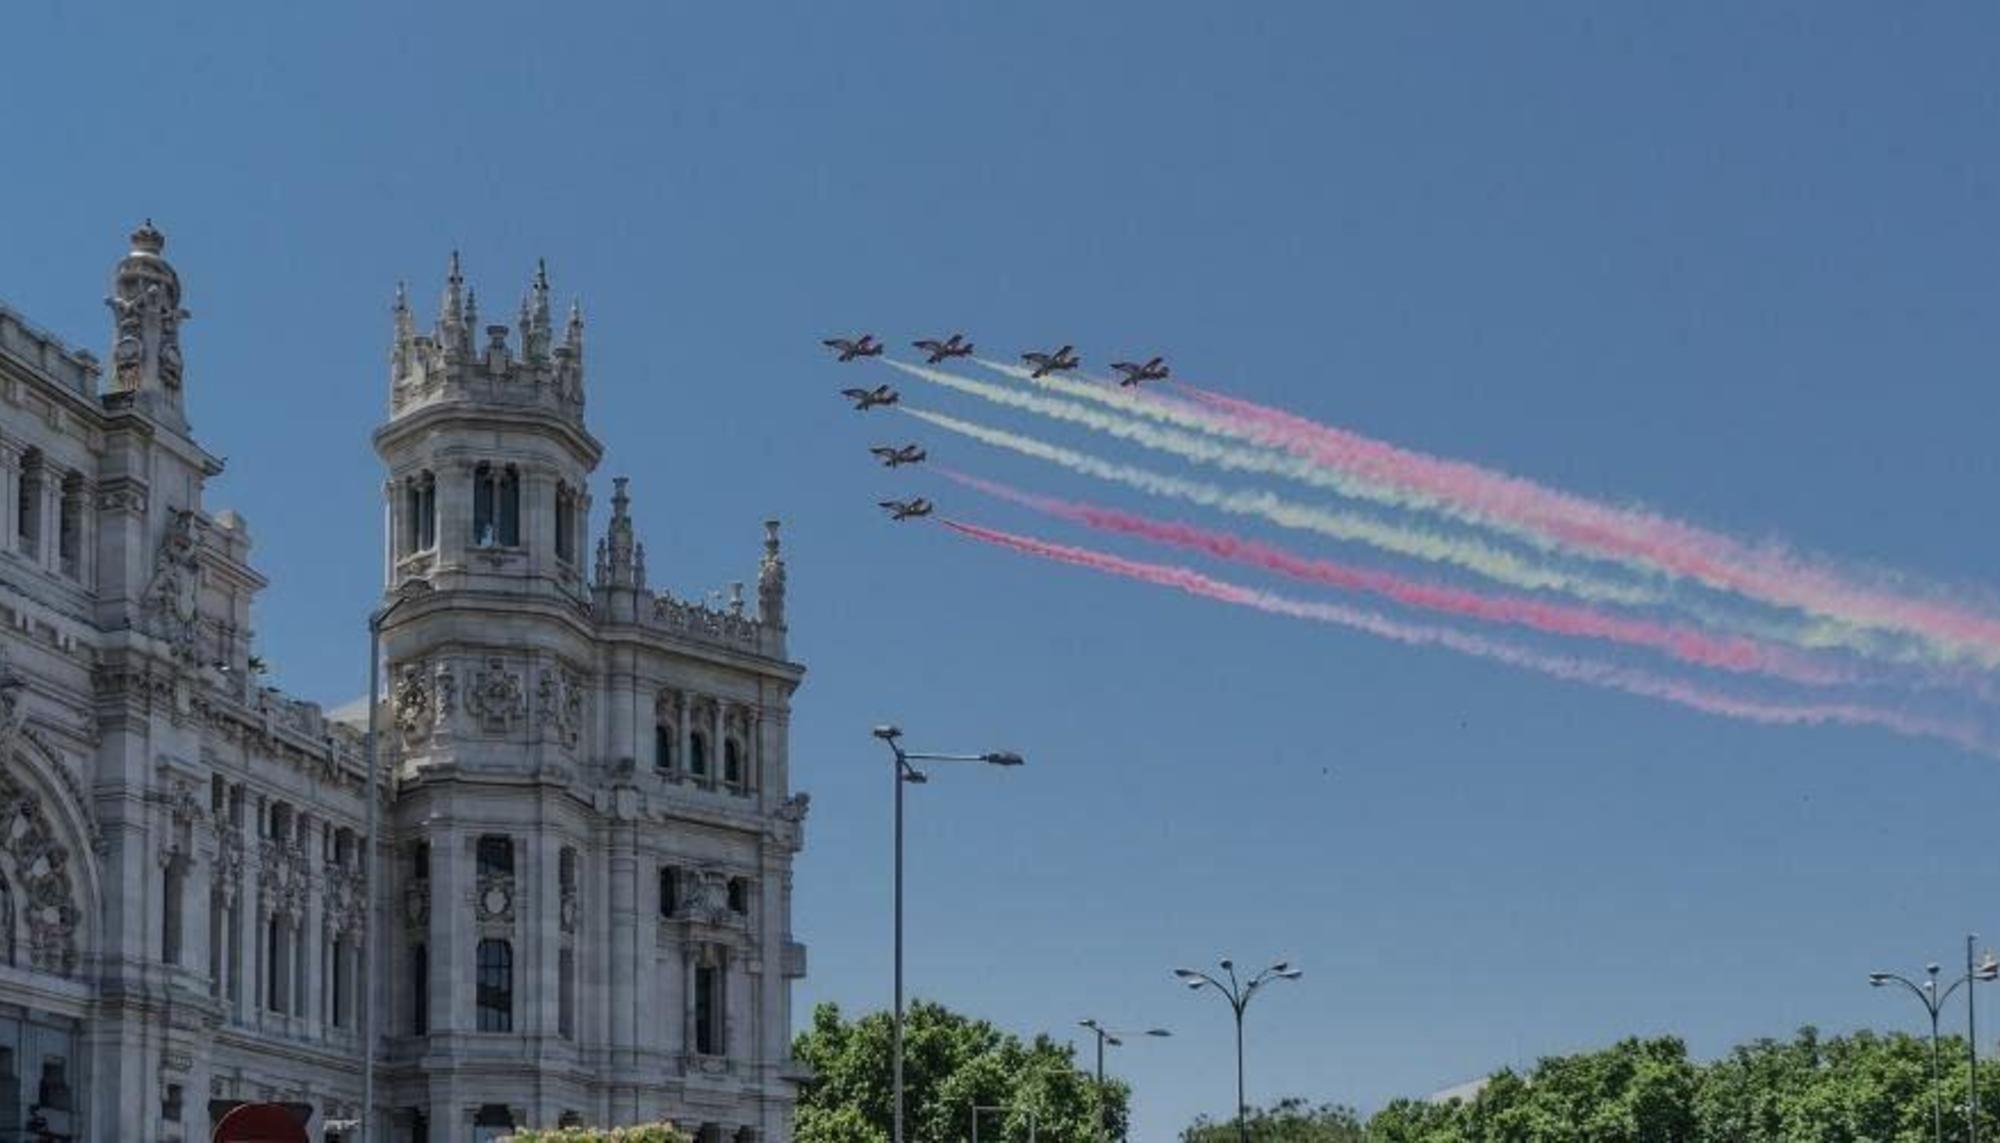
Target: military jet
(894, 457)
(1060, 361)
(866, 399)
(1154, 370)
(906, 509)
(953, 346)
(863, 346)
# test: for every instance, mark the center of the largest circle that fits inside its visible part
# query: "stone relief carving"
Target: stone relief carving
(170, 607)
(795, 808)
(345, 901)
(572, 908)
(417, 902)
(415, 711)
(496, 698)
(49, 912)
(495, 899)
(561, 705)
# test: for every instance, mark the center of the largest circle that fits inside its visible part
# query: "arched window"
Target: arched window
(698, 754)
(732, 762)
(420, 512)
(670, 891)
(496, 986)
(69, 526)
(565, 523)
(663, 748)
(28, 505)
(708, 1008)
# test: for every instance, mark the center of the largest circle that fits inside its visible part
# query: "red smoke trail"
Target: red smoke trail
(1729, 653)
(1670, 545)
(1563, 667)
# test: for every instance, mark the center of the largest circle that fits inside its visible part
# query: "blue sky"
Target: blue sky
(1734, 261)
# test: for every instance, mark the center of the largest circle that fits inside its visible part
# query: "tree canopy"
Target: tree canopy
(1864, 1088)
(951, 1063)
(1287, 1121)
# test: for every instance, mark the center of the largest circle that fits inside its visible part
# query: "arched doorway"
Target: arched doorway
(264, 1123)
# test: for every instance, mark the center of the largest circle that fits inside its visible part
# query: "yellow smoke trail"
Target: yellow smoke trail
(1483, 559)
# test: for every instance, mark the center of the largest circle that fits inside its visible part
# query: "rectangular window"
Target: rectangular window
(565, 523)
(670, 891)
(566, 994)
(341, 984)
(663, 748)
(277, 966)
(69, 526)
(482, 507)
(420, 990)
(698, 754)
(496, 986)
(708, 1010)
(739, 895)
(496, 856)
(170, 912)
(28, 506)
(510, 506)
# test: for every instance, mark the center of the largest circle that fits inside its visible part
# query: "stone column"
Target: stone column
(623, 908)
(450, 889)
(10, 492)
(312, 927)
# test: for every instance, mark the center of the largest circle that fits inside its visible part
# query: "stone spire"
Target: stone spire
(621, 566)
(453, 331)
(536, 332)
(771, 580)
(470, 326)
(406, 334)
(146, 312)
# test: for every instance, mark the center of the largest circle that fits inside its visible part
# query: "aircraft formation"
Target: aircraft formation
(936, 351)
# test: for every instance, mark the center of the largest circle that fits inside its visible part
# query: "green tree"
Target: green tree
(951, 1063)
(644, 1133)
(1287, 1121)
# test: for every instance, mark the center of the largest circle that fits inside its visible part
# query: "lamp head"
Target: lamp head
(1878, 979)
(1281, 967)
(1158, 1032)
(1186, 973)
(888, 732)
(1003, 758)
(1989, 967)
(1291, 974)
(1090, 1024)
(1227, 964)
(1932, 969)
(1113, 1041)
(915, 777)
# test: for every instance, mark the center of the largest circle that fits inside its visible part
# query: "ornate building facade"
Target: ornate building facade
(581, 904)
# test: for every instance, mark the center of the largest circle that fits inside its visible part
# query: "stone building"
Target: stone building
(581, 905)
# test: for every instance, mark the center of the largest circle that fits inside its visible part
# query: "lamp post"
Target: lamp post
(1239, 996)
(409, 589)
(1107, 1036)
(906, 774)
(1933, 1000)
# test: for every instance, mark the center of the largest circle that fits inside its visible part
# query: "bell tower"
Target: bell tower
(486, 449)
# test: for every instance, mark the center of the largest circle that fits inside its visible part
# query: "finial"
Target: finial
(148, 239)
(771, 580)
(541, 275)
(402, 298)
(619, 499)
(471, 309)
(453, 313)
(771, 539)
(736, 597)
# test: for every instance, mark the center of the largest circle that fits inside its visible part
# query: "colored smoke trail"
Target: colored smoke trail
(1488, 561)
(1729, 653)
(1187, 446)
(1630, 535)
(1547, 517)
(1588, 671)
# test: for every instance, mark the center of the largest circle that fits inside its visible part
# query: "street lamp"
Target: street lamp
(1107, 1036)
(1933, 1000)
(1239, 996)
(408, 590)
(907, 774)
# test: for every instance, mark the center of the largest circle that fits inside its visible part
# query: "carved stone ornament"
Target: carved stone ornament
(12, 712)
(572, 907)
(496, 698)
(48, 911)
(495, 901)
(417, 902)
(560, 705)
(795, 808)
(415, 712)
(170, 603)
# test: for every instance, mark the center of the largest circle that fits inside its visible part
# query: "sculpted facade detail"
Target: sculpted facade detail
(496, 698)
(171, 597)
(560, 705)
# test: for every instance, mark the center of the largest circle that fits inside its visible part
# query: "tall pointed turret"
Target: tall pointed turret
(452, 329)
(400, 357)
(620, 567)
(536, 331)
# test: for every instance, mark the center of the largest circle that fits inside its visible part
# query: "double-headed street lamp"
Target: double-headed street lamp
(1932, 999)
(410, 589)
(1107, 1036)
(1239, 995)
(906, 774)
